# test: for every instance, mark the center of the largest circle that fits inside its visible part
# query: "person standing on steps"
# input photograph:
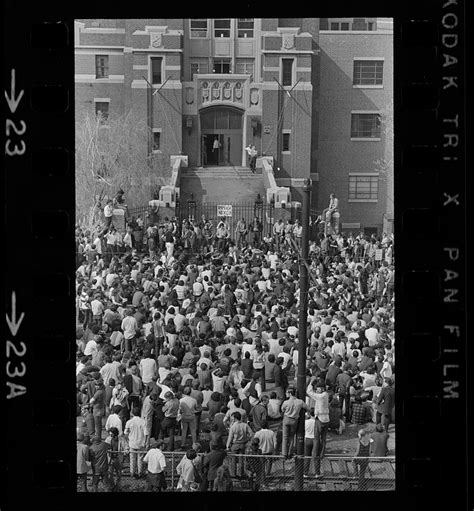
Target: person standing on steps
(252, 152)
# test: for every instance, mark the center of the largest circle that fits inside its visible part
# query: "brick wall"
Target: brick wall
(337, 154)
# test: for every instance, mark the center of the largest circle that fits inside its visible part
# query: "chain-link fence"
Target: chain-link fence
(276, 473)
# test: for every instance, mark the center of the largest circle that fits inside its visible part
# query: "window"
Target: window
(156, 141)
(245, 67)
(286, 142)
(323, 24)
(222, 28)
(102, 109)
(334, 26)
(371, 25)
(365, 126)
(287, 72)
(359, 24)
(368, 72)
(222, 66)
(199, 67)
(198, 27)
(156, 65)
(101, 66)
(344, 26)
(221, 118)
(363, 187)
(245, 27)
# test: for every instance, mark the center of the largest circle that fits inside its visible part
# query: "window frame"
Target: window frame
(159, 131)
(227, 29)
(374, 177)
(195, 62)
(286, 133)
(150, 67)
(361, 138)
(222, 59)
(191, 36)
(106, 67)
(102, 101)
(241, 20)
(293, 71)
(245, 62)
(376, 60)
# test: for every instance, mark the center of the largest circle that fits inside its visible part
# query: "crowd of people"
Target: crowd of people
(188, 340)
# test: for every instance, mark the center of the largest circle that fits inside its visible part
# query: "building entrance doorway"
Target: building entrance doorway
(221, 137)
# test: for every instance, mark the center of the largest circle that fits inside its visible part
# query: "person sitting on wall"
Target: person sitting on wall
(332, 209)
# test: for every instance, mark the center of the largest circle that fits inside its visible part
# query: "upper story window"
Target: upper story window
(340, 26)
(287, 72)
(222, 27)
(198, 27)
(368, 72)
(286, 142)
(101, 66)
(365, 125)
(245, 27)
(156, 70)
(200, 66)
(156, 141)
(363, 187)
(244, 67)
(222, 66)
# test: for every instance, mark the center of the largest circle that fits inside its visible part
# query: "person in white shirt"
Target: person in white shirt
(113, 420)
(372, 334)
(386, 371)
(338, 347)
(321, 414)
(129, 326)
(218, 380)
(108, 213)
(91, 348)
(267, 441)
(308, 440)
(198, 288)
(156, 465)
(135, 431)
(273, 260)
(148, 368)
(97, 308)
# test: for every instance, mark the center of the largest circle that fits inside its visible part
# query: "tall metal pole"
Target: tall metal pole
(302, 332)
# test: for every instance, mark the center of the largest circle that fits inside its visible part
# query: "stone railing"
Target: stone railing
(170, 193)
(281, 194)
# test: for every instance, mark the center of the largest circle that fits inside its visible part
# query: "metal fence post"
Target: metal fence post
(172, 470)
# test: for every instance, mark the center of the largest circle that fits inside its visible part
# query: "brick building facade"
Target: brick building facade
(312, 93)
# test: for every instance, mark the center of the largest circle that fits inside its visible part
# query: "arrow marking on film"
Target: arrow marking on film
(13, 101)
(13, 324)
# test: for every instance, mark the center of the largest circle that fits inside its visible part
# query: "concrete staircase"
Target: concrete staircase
(224, 185)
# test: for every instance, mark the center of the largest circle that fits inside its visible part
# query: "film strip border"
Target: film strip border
(430, 228)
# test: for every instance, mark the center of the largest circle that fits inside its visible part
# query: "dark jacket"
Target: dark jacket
(98, 456)
(386, 400)
(213, 461)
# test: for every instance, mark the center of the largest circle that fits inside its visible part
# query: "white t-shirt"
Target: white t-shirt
(135, 429)
(147, 369)
(113, 421)
(129, 326)
(91, 348)
(372, 335)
